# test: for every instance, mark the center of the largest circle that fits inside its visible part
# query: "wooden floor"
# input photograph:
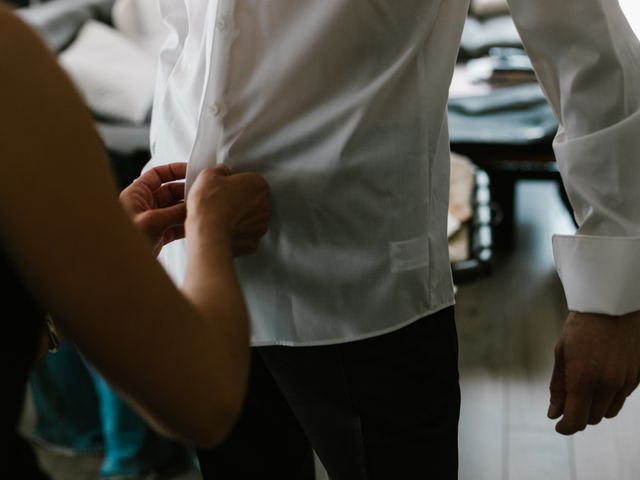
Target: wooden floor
(508, 324)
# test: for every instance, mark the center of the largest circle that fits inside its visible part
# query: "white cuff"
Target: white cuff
(599, 274)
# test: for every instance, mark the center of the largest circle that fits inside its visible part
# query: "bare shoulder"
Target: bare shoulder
(24, 61)
(10, 24)
(18, 39)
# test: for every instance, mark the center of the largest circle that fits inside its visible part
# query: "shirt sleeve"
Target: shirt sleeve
(588, 62)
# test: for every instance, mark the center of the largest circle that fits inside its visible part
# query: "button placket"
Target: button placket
(215, 109)
(211, 129)
(222, 23)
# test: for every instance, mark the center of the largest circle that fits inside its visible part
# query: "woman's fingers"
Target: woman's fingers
(169, 194)
(157, 176)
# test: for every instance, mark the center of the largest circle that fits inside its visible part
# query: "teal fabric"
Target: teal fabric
(131, 447)
(65, 402)
(77, 411)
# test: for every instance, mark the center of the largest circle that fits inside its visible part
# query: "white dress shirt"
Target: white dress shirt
(341, 106)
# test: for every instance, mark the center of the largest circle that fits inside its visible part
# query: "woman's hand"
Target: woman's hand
(155, 202)
(232, 208)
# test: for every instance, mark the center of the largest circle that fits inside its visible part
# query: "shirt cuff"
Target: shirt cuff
(599, 274)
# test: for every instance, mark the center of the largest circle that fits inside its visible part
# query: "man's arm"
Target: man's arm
(588, 62)
(597, 366)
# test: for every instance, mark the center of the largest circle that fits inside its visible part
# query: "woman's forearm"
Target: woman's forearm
(212, 286)
(182, 365)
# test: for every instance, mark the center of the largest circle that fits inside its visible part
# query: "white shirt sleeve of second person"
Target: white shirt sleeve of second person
(588, 61)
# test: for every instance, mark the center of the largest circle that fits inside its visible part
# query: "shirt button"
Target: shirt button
(222, 24)
(215, 109)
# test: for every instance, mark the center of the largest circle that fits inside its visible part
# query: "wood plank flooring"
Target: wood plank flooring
(508, 325)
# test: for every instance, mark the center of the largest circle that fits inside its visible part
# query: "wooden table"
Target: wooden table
(505, 165)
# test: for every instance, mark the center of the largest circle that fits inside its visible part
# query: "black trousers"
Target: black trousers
(381, 408)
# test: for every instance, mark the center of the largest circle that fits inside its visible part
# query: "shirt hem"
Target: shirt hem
(352, 338)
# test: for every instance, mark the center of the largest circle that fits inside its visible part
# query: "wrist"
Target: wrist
(206, 235)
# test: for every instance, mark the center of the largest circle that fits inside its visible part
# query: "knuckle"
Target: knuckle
(588, 379)
(208, 173)
(595, 420)
(571, 426)
(261, 184)
(555, 389)
(211, 174)
(629, 388)
(557, 351)
(612, 383)
(579, 385)
(564, 428)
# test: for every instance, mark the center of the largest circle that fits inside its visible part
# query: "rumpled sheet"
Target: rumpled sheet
(114, 75)
(114, 67)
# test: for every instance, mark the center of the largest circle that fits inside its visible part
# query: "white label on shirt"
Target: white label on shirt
(409, 254)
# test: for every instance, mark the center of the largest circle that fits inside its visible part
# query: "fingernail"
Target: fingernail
(553, 412)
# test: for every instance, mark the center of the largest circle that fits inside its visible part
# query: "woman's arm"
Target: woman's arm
(182, 364)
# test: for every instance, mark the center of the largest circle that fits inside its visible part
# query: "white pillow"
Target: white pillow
(141, 22)
(115, 76)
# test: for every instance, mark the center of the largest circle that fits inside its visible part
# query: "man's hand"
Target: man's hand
(155, 202)
(597, 366)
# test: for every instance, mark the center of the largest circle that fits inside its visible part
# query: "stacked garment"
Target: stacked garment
(114, 66)
(109, 48)
(488, 25)
(495, 98)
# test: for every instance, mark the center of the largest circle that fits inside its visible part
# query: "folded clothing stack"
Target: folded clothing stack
(508, 116)
(59, 21)
(114, 75)
(109, 48)
(481, 33)
(495, 98)
(485, 8)
(503, 67)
